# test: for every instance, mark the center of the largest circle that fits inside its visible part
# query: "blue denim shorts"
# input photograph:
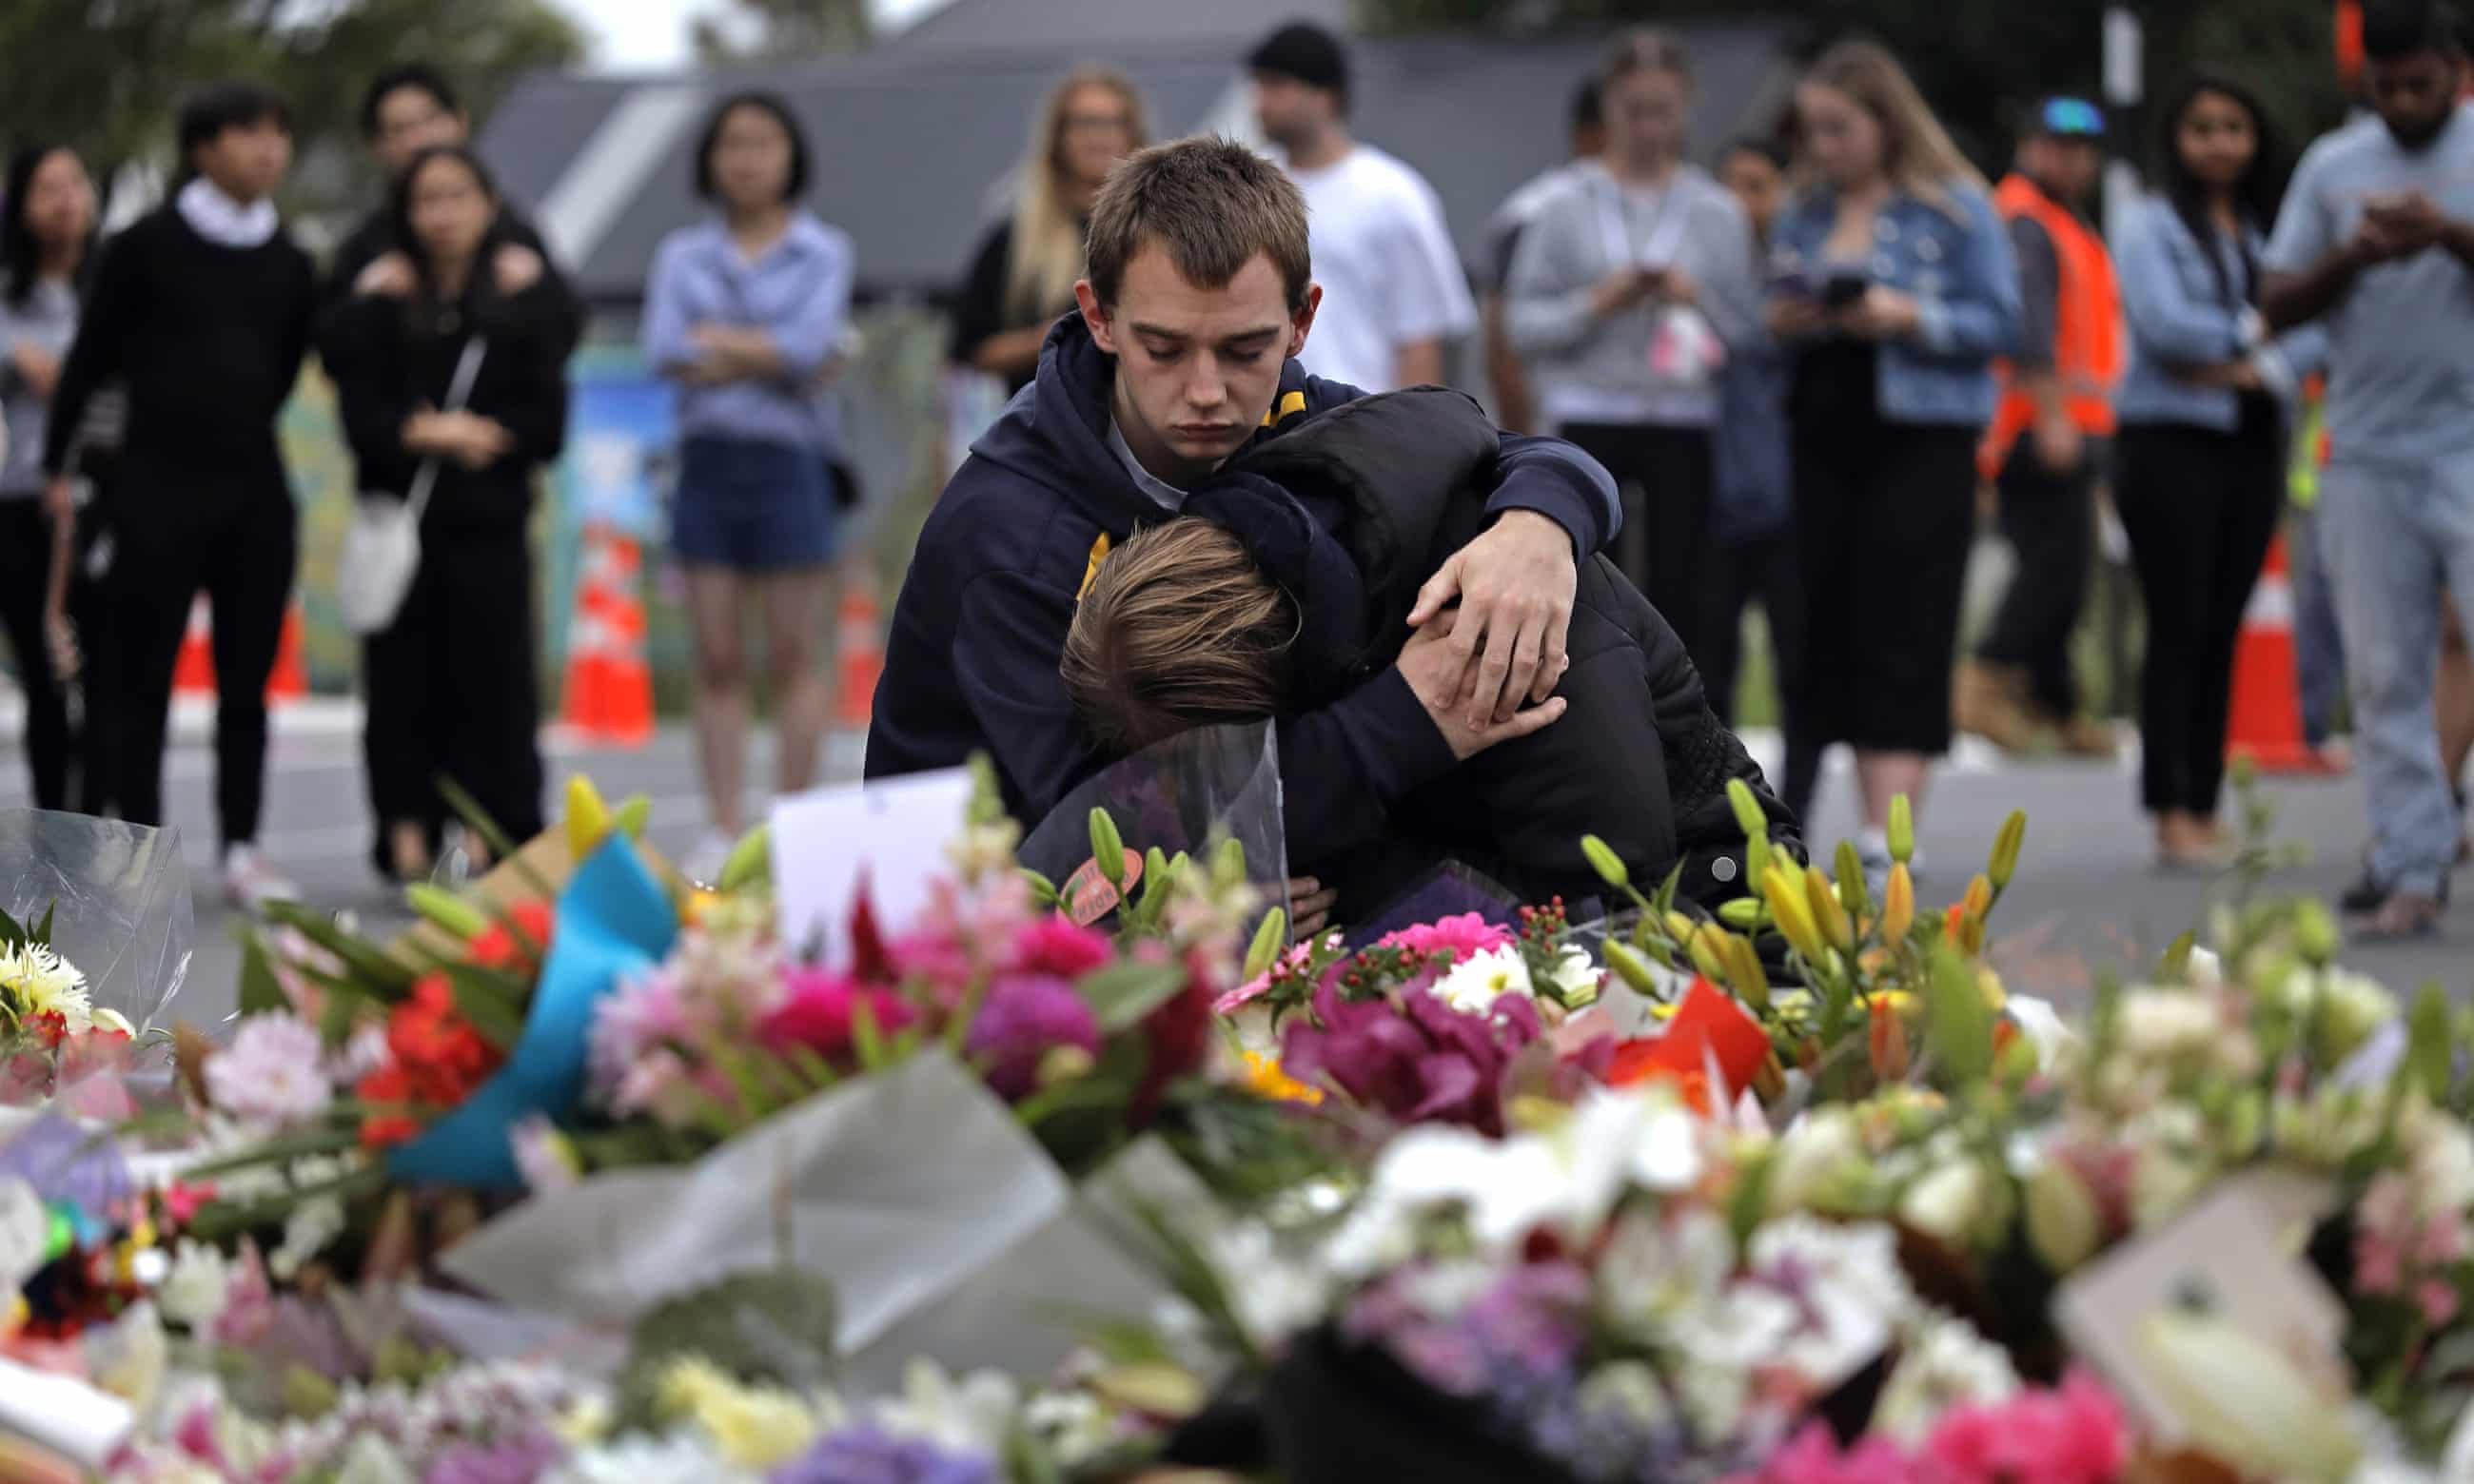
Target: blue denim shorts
(753, 507)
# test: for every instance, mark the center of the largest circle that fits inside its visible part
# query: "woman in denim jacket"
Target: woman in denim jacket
(2199, 471)
(1893, 284)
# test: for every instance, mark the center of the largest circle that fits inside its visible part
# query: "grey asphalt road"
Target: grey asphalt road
(2086, 897)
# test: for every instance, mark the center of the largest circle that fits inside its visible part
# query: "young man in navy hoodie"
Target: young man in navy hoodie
(1200, 296)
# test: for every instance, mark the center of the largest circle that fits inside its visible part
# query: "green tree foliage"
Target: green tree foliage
(107, 76)
(1982, 62)
(781, 31)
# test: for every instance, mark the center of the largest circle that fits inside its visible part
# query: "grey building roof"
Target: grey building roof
(913, 138)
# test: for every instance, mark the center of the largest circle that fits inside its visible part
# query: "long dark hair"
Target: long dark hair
(773, 106)
(21, 257)
(2255, 194)
(481, 282)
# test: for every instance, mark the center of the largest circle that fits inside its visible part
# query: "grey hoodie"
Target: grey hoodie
(1591, 370)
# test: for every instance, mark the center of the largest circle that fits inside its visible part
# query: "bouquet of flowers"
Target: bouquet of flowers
(51, 1034)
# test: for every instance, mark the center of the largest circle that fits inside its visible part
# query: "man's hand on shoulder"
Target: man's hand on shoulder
(1434, 666)
(1515, 585)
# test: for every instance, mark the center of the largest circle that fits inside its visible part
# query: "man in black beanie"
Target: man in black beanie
(1393, 291)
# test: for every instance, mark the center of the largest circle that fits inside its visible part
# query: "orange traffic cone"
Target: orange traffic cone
(858, 644)
(2265, 721)
(609, 691)
(289, 681)
(194, 673)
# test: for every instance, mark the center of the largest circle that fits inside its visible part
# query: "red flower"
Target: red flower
(1707, 1028)
(1179, 1033)
(389, 1096)
(435, 1060)
(496, 949)
(48, 1026)
(821, 1009)
(1056, 948)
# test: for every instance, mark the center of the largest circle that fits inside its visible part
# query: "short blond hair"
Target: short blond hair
(1180, 629)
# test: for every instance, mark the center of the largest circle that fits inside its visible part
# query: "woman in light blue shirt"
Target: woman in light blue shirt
(747, 313)
(2200, 457)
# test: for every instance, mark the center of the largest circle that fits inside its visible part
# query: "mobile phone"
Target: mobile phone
(1843, 289)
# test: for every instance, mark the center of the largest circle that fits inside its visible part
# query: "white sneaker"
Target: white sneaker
(703, 864)
(249, 882)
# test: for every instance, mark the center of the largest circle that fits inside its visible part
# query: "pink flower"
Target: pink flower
(2443, 1239)
(820, 1012)
(1464, 937)
(2379, 1262)
(1056, 947)
(1298, 956)
(2439, 1301)
(1417, 1059)
(1812, 1457)
(1025, 1018)
(2071, 1435)
(274, 1071)
(629, 1025)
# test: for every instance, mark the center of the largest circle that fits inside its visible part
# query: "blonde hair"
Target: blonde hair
(1917, 154)
(1046, 248)
(1180, 629)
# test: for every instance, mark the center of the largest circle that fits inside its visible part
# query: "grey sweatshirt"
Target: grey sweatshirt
(1592, 370)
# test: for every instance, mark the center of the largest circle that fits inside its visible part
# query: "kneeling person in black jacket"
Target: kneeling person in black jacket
(1184, 627)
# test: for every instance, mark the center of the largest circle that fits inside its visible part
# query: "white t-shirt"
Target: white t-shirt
(1389, 271)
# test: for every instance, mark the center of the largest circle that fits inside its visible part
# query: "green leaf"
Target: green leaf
(43, 934)
(1751, 1200)
(2176, 965)
(506, 851)
(2433, 1058)
(326, 1139)
(1958, 1024)
(12, 935)
(1123, 993)
(866, 1036)
(387, 978)
(260, 992)
(813, 1070)
(490, 1002)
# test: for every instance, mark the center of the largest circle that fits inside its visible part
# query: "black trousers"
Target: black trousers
(2200, 507)
(232, 537)
(454, 686)
(1739, 573)
(2049, 519)
(25, 572)
(1884, 514)
(1664, 476)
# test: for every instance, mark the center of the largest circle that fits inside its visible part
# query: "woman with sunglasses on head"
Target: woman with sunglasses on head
(2201, 471)
(453, 684)
(747, 313)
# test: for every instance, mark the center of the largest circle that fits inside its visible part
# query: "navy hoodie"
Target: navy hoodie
(971, 663)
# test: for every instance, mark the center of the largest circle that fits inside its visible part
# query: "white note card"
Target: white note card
(891, 834)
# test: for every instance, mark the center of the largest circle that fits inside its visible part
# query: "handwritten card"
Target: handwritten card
(891, 834)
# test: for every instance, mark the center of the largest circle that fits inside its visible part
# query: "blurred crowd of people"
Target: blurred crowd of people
(1802, 368)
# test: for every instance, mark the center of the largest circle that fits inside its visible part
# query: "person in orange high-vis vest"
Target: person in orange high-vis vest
(2056, 405)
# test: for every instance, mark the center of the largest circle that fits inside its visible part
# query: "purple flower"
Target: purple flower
(867, 1454)
(1418, 1059)
(1025, 1018)
(520, 1459)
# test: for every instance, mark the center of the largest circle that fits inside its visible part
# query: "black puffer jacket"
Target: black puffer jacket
(1639, 758)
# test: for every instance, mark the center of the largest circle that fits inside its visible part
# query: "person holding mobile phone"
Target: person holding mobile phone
(2056, 409)
(2375, 242)
(1627, 292)
(1888, 394)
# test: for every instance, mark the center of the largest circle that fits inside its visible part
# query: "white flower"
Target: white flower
(370, 1459)
(1275, 1296)
(1812, 1154)
(1630, 1391)
(2207, 972)
(1858, 1259)
(972, 1415)
(1950, 1202)
(681, 1458)
(1576, 977)
(107, 1019)
(1946, 1365)
(1652, 1269)
(194, 1291)
(1252, 1025)
(39, 980)
(2162, 1025)
(1472, 988)
(312, 1225)
(25, 1233)
(2043, 1027)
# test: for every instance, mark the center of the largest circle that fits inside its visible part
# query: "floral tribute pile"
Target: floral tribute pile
(1793, 1193)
